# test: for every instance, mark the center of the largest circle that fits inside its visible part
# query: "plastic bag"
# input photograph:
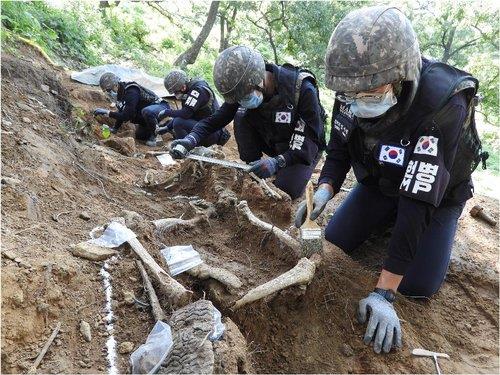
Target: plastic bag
(218, 328)
(181, 258)
(114, 235)
(148, 357)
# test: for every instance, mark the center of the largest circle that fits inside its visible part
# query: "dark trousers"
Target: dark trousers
(293, 179)
(367, 209)
(146, 128)
(183, 127)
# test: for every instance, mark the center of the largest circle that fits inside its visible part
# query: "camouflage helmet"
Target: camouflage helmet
(108, 81)
(175, 80)
(371, 47)
(237, 71)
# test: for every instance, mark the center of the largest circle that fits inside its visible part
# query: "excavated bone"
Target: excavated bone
(204, 271)
(243, 209)
(173, 291)
(301, 274)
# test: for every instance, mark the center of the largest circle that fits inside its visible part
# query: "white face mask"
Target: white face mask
(369, 109)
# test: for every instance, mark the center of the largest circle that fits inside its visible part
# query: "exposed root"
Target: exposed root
(158, 312)
(301, 274)
(204, 271)
(243, 210)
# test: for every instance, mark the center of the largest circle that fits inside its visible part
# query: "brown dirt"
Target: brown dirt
(64, 170)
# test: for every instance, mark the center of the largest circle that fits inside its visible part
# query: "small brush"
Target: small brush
(310, 232)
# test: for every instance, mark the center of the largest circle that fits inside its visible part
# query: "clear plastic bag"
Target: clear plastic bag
(114, 235)
(148, 357)
(218, 328)
(181, 258)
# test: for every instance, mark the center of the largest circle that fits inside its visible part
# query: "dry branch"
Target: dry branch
(204, 271)
(176, 294)
(42, 353)
(244, 210)
(301, 274)
(158, 312)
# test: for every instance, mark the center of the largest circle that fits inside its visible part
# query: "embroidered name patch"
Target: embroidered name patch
(283, 117)
(392, 154)
(427, 145)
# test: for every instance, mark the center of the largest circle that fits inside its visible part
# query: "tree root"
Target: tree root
(204, 271)
(243, 210)
(301, 274)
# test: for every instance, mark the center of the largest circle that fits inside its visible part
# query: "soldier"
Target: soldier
(198, 102)
(135, 104)
(398, 121)
(280, 116)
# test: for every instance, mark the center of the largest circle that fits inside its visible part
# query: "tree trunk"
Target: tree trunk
(189, 56)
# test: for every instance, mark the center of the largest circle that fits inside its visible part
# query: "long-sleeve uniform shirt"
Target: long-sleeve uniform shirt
(194, 100)
(269, 123)
(420, 171)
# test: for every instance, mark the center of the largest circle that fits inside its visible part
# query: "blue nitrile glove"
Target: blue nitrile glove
(264, 168)
(321, 198)
(383, 326)
(101, 112)
(180, 147)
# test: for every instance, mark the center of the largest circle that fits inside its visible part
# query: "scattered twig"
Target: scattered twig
(44, 349)
(55, 217)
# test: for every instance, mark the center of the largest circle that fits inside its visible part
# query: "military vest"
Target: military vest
(211, 106)
(276, 119)
(385, 161)
(147, 97)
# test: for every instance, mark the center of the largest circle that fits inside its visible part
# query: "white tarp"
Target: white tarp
(91, 76)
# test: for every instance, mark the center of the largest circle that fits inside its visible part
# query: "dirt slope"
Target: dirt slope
(67, 184)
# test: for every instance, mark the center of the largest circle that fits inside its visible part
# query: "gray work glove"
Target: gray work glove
(383, 326)
(101, 112)
(180, 147)
(321, 198)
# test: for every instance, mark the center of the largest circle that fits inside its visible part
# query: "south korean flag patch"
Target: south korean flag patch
(427, 145)
(392, 154)
(283, 117)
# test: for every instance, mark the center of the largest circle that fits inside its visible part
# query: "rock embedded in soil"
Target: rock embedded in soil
(85, 330)
(125, 347)
(24, 107)
(84, 215)
(125, 146)
(26, 120)
(45, 88)
(91, 252)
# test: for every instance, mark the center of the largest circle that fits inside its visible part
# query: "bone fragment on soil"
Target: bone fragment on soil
(273, 193)
(175, 293)
(204, 271)
(301, 274)
(244, 210)
(158, 312)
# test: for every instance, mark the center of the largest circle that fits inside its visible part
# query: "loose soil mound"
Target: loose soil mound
(60, 183)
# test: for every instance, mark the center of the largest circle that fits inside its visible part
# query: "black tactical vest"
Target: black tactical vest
(211, 106)
(275, 119)
(383, 161)
(147, 97)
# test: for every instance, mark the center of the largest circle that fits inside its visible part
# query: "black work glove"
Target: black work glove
(101, 112)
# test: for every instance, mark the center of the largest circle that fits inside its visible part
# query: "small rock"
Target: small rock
(7, 123)
(92, 252)
(125, 146)
(24, 107)
(125, 347)
(26, 120)
(10, 181)
(84, 215)
(45, 88)
(133, 279)
(58, 342)
(54, 92)
(128, 297)
(347, 350)
(82, 364)
(9, 254)
(35, 127)
(85, 330)
(18, 260)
